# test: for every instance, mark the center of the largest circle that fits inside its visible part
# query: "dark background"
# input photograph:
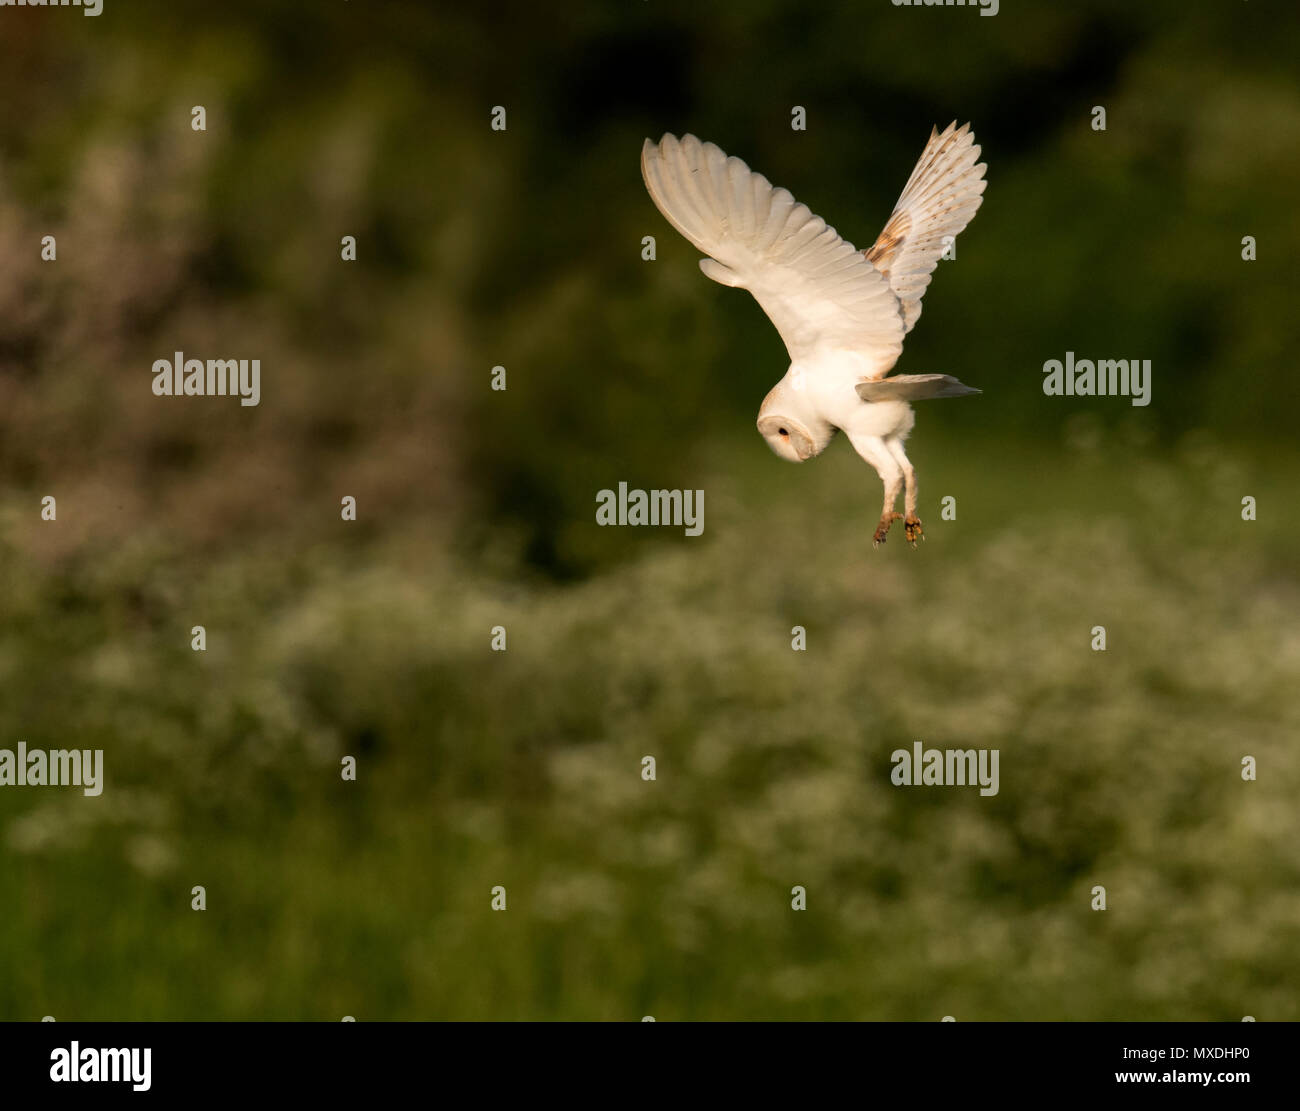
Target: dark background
(522, 248)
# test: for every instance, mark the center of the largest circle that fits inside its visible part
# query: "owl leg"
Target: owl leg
(911, 523)
(875, 452)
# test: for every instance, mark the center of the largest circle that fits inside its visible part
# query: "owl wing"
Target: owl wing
(819, 291)
(938, 201)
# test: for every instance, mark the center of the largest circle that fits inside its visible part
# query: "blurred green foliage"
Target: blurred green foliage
(522, 248)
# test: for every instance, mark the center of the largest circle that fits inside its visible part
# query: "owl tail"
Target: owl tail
(913, 387)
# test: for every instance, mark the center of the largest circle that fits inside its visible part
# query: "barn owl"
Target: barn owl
(841, 312)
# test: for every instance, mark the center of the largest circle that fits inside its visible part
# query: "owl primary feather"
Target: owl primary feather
(841, 312)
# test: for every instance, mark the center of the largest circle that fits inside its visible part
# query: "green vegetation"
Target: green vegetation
(325, 638)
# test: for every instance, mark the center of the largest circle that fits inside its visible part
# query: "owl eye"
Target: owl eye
(783, 432)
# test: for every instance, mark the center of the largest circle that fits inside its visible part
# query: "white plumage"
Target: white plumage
(842, 313)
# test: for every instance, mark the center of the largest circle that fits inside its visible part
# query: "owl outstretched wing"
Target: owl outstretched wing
(821, 292)
(938, 201)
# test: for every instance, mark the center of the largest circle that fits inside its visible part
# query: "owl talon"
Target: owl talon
(912, 530)
(883, 528)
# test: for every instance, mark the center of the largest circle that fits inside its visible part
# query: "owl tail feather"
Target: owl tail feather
(913, 387)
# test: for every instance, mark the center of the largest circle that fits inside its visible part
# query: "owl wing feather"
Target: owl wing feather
(821, 292)
(938, 201)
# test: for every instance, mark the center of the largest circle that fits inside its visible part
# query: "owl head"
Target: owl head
(788, 423)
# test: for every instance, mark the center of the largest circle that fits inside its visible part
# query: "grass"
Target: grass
(626, 897)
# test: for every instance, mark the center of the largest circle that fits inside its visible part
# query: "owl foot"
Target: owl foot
(886, 520)
(912, 530)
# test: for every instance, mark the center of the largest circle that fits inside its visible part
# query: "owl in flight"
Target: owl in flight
(841, 312)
